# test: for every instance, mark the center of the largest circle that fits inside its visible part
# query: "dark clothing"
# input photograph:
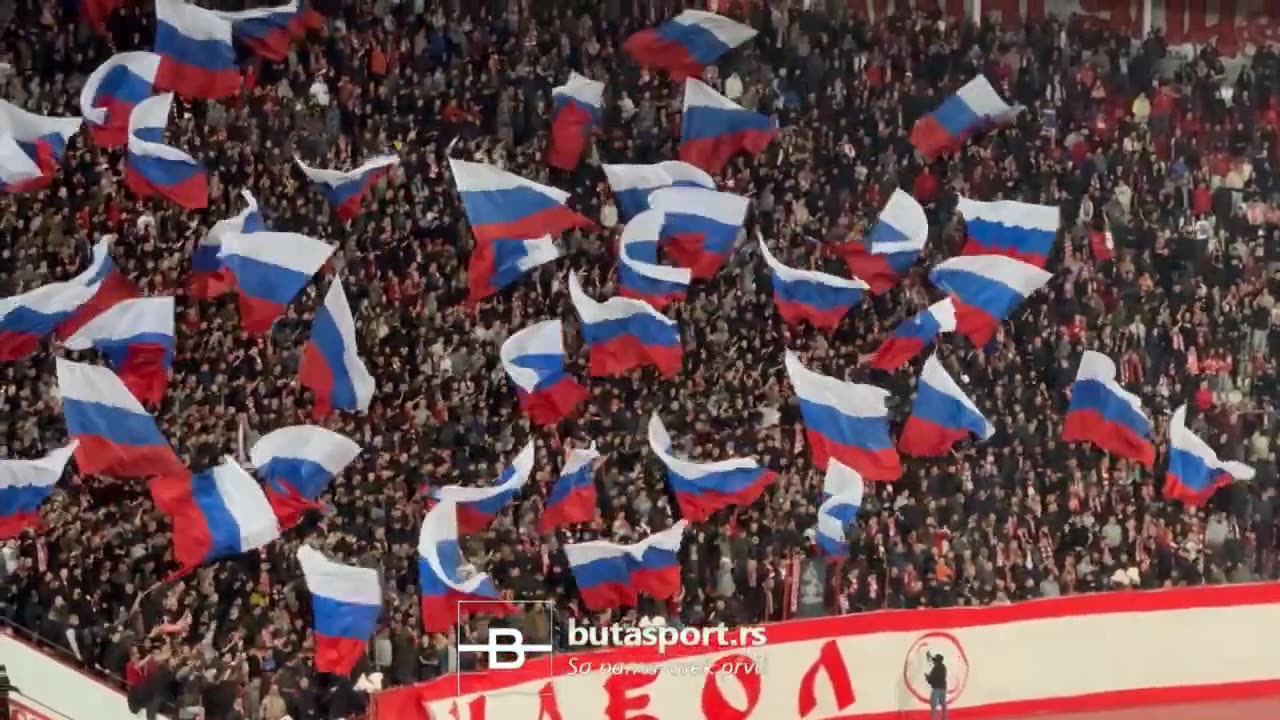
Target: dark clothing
(937, 676)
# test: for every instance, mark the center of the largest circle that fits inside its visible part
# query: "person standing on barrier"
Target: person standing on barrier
(937, 679)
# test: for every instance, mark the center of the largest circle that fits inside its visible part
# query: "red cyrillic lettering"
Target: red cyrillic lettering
(746, 671)
(621, 704)
(831, 663)
(548, 708)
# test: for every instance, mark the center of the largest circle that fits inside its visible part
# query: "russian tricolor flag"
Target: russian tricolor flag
(842, 492)
(534, 360)
(441, 580)
(297, 463)
(714, 128)
(577, 112)
(269, 31)
(499, 263)
(809, 295)
(846, 421)
(113, 90)
(700, 227)
(941, 415)
(632, 184)
(270, 269)
(208, 278)
(197, 59)
(1195, 471)
(331, 366)
(702, 488)
(218, 513)
(609, 575)
(623, 334)
(478, 506)
(986, 289)
(913, 335)
(153, 168)
(28, 318)
(501, 205)
(346, 601)
(345, 190)
(137, 338)
(687, 43)
(892, 246)
(639, 274)
(1014, 229)
(18, 172)
(573, 497)
(1105, 414)
(969, 111)
(109, 286)
(117, 436)
(42, 138)
(24, 485)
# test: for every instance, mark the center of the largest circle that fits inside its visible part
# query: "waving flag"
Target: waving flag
(43, 138)
(941, 415)
(609, 575)
(478, 506)
(632, 184)
(345, 191)
(270, 269)
(578, 110)
(817, 297)
(700, 226)
(573, 497)
(116, 435)
(714, 128)
(197, 59)
(499, 263)
(969, 111)
(441, 580)
(331, 366)
(153, 168)
(109, 286)
(845, 421)
(687, 43)
(1195, 471)
(28, 318)
(913, 335)
(1015, 229)
(986, 289)
(639, 274)
(892, 246)
(208, 278)
(702, 488)
(218, 513)
(269, 31)
(501, 205)
(297, 463)
(346, 602)
(61, 308)
(137, 339)
(113, 90)
(1105, 414)
(24, 485)
(842, 492)
(18, 172)
(534, 360)
(623, 334)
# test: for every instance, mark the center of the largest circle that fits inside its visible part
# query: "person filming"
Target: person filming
(937, 679)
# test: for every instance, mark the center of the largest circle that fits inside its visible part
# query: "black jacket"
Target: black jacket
(937, 676)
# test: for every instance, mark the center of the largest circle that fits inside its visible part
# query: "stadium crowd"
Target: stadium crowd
(1167, 263)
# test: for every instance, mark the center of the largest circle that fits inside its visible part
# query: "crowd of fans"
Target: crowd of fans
(1165, 157)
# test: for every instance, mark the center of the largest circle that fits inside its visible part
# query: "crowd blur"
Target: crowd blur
(1162, 164)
